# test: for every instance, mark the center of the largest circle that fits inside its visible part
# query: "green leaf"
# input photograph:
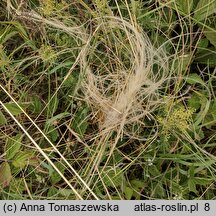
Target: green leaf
(154, 170)
(192, 185)
(181, 62)
(194, 78)
(36, 104)
(191, 171)
(5, 175)
(80, 123)
(175, 187)
(137, 184)
(34, 160)
(3, 120)
(199, 134)
(22, 159)
(52, 132)
(55, 177)
(204, 9)
(112, 177)
(194, 101)
(211, 36)
(21, 79)
(158, 190)
(52, 192)
(49, 167)
(184, 6)
(57, 117)
(65, 192)
(203, 181)
(208, 121)
(212, 110)
(52, 106)
(14, 109)
(12, 146)
(203, 111)
(202, 44)
(210, 118)
(7, 33)
(206, 57)
(60, 66)
(128, 193)
(17, 26)
(72, 81)
(192, 182)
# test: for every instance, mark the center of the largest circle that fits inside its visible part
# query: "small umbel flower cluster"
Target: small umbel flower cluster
(102, 7)
(49, 7)
(180, 118)
(47, 54)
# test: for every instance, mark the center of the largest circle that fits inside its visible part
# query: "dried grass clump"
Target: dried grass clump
(122, 76)
(125, 85)
(122, 79)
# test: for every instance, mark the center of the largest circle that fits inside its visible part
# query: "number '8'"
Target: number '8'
(207, 207)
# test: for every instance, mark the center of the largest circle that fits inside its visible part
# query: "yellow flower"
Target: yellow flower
(47, 7)
(180, 118)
